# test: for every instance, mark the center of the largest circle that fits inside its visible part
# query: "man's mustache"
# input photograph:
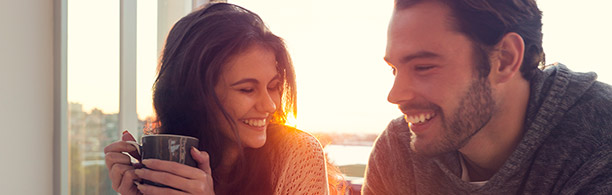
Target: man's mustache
(409, 106)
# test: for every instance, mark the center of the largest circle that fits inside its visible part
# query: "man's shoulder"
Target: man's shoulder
(395, 135)
(598, 95)
(591, 115)
(390, 168)
(586, 127)
(582, 106)
(393, 146)
(397, 126)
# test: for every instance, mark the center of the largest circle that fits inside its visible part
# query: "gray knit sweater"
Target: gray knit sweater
(566, 149)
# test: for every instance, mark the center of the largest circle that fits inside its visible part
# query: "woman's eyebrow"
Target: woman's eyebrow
(246, 80)
(252, 80)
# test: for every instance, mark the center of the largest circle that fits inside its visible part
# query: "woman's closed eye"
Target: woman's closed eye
(246, 90)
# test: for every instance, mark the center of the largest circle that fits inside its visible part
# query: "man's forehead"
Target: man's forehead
(425, 12)
(422, 28)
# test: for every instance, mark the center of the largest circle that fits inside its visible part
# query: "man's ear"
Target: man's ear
(508, 57)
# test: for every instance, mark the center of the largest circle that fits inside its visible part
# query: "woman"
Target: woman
(227, 80)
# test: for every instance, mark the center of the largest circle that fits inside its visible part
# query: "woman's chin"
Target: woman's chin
(254, 142)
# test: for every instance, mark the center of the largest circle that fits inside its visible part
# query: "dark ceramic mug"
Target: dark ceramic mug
(168, 147)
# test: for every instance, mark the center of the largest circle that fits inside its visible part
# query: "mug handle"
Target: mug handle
(138, 150)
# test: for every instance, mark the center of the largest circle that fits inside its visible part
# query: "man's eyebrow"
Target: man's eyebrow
(417, 55)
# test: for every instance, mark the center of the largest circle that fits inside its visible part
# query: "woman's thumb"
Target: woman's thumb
(202, 158)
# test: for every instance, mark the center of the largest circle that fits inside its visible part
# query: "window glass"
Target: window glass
(146, 60)
(93, 92)
(93, 70)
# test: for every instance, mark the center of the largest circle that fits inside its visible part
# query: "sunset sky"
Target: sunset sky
(337, 48)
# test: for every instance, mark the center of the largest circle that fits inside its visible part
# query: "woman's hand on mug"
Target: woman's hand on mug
(120, 168)
(189, 180)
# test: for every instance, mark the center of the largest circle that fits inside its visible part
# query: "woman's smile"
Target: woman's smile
(256, 123)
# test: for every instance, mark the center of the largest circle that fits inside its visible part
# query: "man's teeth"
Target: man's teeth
(416, 119)
(255, 122)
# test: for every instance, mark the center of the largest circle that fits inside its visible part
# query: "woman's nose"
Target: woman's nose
(267, 103)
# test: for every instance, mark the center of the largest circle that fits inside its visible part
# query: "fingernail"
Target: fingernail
(124, 132)
(140, 187)
(146, 162)
(138, 172)
(137, 183)
(194, 149)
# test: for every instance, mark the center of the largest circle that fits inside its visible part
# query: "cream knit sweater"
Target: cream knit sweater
(302, 169)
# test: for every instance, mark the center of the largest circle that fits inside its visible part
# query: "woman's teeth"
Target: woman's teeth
(255, 122)
(419, 118)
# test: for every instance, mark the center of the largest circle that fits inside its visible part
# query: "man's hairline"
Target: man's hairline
(478, 49)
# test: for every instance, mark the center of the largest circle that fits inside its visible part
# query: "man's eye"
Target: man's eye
(423, 68)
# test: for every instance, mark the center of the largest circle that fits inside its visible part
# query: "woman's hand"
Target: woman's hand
(188, 179)
(119, 165)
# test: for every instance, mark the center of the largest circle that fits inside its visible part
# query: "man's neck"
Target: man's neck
(491, 147)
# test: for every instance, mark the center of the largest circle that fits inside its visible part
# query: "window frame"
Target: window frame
(128, 118)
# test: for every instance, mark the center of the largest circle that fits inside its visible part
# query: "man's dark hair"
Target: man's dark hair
(486, 22)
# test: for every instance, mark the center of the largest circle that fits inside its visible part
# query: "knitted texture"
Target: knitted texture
(303, 168)
(566, 147)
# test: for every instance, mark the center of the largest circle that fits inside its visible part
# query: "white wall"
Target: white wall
(26, 96)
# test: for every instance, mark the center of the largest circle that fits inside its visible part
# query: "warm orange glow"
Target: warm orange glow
(291, 120)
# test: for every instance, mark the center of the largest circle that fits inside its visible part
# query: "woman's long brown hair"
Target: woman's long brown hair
(196, 49)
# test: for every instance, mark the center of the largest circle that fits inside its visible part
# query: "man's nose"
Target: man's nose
(402, 90)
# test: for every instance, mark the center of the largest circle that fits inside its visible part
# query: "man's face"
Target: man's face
(437, 87)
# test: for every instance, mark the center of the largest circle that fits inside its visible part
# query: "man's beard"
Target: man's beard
(475, 109)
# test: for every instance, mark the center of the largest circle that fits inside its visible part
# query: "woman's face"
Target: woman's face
(249, 90)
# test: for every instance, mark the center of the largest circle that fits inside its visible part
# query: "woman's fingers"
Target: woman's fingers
(175, 168)
(127, 185)
(202, 158)
(154, 190)
(180, 176)
(127, 136)
(113, 158)
(169, 179)
(114, 153)
(120, 169)
(119, 146)
(122, 177)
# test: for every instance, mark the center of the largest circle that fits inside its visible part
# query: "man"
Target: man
(480, 117)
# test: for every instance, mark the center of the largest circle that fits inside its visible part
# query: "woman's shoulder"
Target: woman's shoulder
(302, 167)
(300, 140)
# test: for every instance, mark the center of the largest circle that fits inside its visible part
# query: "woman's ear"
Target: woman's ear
(508, 58)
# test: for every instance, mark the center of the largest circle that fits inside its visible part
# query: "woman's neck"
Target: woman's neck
(229, 160)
